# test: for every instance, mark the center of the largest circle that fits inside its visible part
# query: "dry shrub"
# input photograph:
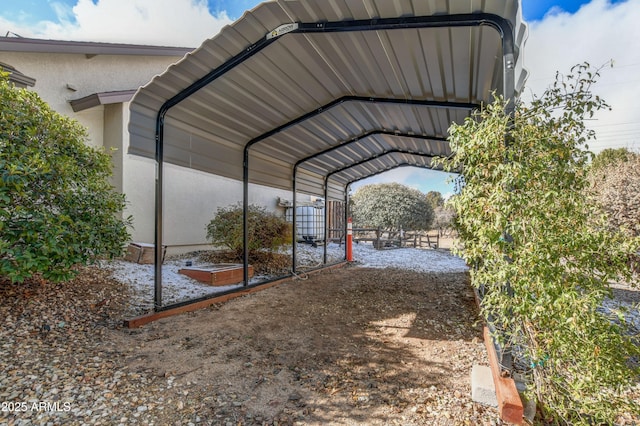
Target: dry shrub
(618, 193)
(263, 262)
(266, 230)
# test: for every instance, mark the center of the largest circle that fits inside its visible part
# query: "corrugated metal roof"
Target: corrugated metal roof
(331, 82)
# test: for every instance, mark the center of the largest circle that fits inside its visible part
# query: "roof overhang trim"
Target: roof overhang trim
(16, 77)
(102, 98)
(32, 45)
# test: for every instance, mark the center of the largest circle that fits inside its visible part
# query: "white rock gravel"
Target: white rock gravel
(177, 287)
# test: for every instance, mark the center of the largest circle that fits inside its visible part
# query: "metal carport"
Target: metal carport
(310, 96)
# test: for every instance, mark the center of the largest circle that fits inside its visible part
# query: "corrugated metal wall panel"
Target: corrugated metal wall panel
(272, 170)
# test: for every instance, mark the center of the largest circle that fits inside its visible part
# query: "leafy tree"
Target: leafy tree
(266, 230)
(435, 198)
(57, 208)
(542, 267)
(391, 206)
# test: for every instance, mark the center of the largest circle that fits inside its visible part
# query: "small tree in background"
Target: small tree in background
(442, 215)
(444, 219)
(57, 208)
(435, 199)
(266, 231)
(391, 206)
(610, 157)
(615, 175)
(541, 253)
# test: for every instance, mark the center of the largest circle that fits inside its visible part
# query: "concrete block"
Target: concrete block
(483, 389)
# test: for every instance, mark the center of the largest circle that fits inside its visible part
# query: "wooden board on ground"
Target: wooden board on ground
(143, 253)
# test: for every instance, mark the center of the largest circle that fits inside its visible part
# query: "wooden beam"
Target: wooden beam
(509, 403)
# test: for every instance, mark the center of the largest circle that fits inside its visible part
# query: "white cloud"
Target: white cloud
(554, 10)
(403, 175)
(599, 32)
(421, 179)
(185, 23)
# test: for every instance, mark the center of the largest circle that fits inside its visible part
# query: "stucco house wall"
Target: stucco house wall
(63, 77)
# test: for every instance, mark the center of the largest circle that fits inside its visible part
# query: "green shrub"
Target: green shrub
(266, 231)
(542, 253)
(57, 208)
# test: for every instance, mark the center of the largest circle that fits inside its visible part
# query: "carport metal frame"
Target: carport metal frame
(326, 179)
(358, 163)
(338, 146)
(502, 25)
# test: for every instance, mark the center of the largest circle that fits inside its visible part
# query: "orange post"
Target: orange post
(349, 241)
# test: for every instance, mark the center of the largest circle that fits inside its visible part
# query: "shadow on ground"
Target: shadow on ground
(351, 346)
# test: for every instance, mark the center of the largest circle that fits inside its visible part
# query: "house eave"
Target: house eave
(31, 45)
(103, 98)
(16, 77)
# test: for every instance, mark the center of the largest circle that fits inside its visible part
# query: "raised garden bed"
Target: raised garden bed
(217, 274)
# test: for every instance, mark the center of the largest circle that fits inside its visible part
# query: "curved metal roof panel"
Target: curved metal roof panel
(296, 78)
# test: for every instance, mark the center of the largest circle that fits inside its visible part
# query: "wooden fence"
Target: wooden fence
(382, 239)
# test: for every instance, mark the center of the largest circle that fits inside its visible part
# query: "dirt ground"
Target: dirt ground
(352, 347)
(349, 346)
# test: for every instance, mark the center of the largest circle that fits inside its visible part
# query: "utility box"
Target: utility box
(143, 253)
(309, 222)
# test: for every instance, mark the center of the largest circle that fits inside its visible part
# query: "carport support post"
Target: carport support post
(158, 252)
(294, 219)
(510, 97)
(511, 413)
(245, 217)
(346, 218)
(349, 243)
(326, 221)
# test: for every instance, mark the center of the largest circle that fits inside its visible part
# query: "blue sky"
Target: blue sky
(533, 10)
(562, 33)
(34, 11)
